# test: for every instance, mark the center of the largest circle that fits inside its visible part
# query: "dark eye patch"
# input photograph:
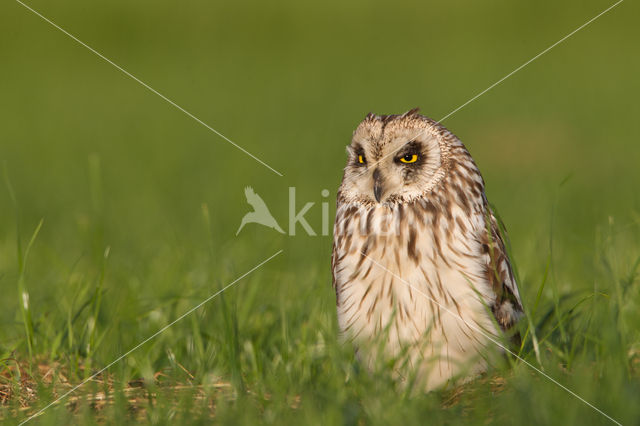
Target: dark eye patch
(359, 158)
(408, 151)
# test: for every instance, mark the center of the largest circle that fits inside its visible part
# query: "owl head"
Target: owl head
(396, 158)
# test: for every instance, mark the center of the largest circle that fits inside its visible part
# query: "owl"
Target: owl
(420, 270)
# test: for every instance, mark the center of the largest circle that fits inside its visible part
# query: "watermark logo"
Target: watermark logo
(384, 221)
(260, 213)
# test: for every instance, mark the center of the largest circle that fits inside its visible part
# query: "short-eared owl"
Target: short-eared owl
(419, 266)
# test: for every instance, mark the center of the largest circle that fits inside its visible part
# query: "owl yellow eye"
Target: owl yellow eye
(361, 159)
(409, 158)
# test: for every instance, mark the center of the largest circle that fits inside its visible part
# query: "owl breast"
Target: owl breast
(408, 278)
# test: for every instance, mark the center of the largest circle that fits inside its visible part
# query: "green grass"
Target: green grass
(119, 212)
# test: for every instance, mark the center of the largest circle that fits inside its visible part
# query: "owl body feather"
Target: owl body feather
(420, 274)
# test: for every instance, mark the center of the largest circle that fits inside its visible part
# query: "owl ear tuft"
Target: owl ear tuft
(370, 116)
(411, 112)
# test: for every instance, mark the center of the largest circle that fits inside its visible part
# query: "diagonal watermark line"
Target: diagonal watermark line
(504, 78)
(153, 336)
(492, 339)
(146, 86)
(531, 60)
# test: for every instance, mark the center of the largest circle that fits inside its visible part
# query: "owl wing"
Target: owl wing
(507, 307)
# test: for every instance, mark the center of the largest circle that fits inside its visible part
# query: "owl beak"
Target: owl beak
(378, 188)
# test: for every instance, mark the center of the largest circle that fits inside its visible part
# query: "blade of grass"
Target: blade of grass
(23, 294)
(97, 301)
(25, 306)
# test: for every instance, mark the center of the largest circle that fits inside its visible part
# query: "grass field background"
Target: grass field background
(140, 204)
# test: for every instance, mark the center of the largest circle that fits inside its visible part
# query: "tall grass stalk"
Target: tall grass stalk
(23, 293)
